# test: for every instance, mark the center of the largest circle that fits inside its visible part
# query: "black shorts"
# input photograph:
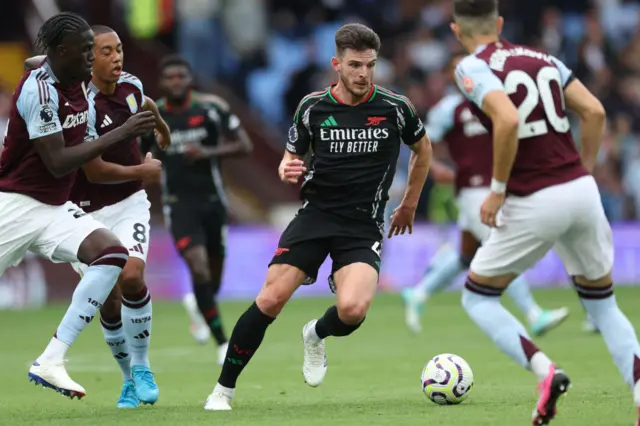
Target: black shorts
(314, 234)
(198, 223)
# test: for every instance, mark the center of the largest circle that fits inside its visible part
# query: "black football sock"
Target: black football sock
(205, 296)
(245, 340)
(331, 325)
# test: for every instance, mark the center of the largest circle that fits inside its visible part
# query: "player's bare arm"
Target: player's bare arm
(61, 160)
(504, 117)
(105, 172)
(291, 168)
(163, 133)
(419, 162)
(592, 120)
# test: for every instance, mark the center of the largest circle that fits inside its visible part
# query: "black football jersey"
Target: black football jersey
(354, 149)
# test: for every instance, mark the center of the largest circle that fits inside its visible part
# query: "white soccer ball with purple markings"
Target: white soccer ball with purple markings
(447, 379)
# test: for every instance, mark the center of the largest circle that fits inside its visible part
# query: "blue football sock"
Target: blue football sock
(618, 333)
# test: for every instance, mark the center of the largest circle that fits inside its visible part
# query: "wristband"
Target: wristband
(498, 187)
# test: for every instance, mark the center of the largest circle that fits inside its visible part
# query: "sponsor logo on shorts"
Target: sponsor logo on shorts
(280, 250)
(183, 242)
(137, 248)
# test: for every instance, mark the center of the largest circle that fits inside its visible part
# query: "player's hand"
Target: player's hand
(291, 171)
(490, 208)
(401, 220)
(163, 142)
(140, 124)
(151, 168)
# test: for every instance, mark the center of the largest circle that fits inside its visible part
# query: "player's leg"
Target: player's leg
(444, 270)
(587, 252)
(295, 261)
(73, 236)
(184, 222)
(114, 334)
(539, 320)
(447, 268)
(132, 227)
(214, 223)
(354, 278)
(526, 236)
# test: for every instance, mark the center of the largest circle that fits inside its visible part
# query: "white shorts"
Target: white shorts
(53, 232)
(568, 217)
(129, 221)
(469, 203)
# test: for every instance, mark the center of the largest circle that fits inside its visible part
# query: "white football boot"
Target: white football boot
(314, 366)
(220, 399)
(54, 376)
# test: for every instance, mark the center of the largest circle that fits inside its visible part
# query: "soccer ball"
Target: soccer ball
(447, 379)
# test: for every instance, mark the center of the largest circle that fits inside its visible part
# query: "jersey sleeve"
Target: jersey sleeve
(91, 133)
(475, 79)
(413, 129)
(299, 136)
(37, 104)
(566, 75)
(441, 118)
(125, 77)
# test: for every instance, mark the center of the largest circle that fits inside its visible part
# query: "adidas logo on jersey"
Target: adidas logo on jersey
(74, 120)
(106, 122)
(329, 122)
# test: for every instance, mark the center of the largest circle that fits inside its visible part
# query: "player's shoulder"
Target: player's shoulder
(36, 87)
(313, 97)
(209, 100)
(383, 94)
(127, 78)
(472, 64)
(309, 100)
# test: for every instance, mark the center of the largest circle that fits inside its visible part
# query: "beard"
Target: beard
(355, 90)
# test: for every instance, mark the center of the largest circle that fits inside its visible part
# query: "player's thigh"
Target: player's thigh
(304, 244)
(510, 249)
(214, 223)
(130, 223)
(73, 235)
(469, 204)
(185, 226)
(586, 250)
(355, 272)
(469, 245)
(22, 219)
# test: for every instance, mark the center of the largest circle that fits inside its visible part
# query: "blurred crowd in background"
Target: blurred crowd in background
(272, 53)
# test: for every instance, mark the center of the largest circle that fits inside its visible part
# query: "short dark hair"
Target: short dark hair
(56, 28)
(102, 29)
(173, 60)
(357, 37)
(474, 8)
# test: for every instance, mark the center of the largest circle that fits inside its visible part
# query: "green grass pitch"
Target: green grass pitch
(373, 376)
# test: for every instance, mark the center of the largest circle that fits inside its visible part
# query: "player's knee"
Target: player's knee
(132, 279)
(353, 311)
(274, 295)
(103, 247)
(271, 301)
